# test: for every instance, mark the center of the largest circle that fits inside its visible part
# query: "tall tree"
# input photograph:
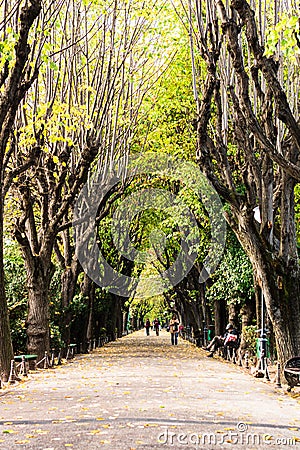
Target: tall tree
(16, 78)
(249, 142)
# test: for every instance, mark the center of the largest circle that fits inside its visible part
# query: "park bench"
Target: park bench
(230, 352)
(230, 348)
(71, 351)
(31, 359)
(292, 372)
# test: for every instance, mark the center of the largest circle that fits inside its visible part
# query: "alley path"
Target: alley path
(141, 393)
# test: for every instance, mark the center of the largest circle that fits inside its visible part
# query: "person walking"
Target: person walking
(156, 326)
(174, 327)
(147, 326)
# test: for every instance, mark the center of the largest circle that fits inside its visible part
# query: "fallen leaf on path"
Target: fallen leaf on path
(39, 431)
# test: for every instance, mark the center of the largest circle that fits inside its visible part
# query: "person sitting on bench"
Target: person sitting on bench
(222, 341)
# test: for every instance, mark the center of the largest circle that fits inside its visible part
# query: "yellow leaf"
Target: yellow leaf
(39, 431)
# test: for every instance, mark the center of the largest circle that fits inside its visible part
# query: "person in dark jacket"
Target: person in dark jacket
(174, 329)
(156, 326)
(147, 326)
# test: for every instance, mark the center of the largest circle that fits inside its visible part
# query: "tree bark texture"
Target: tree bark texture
(37, 322)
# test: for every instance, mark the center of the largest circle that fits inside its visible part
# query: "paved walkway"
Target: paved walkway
(141, 393)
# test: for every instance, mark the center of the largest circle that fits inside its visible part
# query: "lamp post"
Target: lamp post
(263, 342)
(205, 333)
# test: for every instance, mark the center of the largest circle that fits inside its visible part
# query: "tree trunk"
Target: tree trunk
(68, 287)
(88, 292)
(39, 276)
(233, 314)
(220, 317)
(120, 316)
(248, 313)
(90, 321)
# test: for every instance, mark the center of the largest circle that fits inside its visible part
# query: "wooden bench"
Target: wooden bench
(31, 359)
(71, 351)
(292, 372)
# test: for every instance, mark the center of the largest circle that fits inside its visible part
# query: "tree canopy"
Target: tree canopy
(103, 100)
